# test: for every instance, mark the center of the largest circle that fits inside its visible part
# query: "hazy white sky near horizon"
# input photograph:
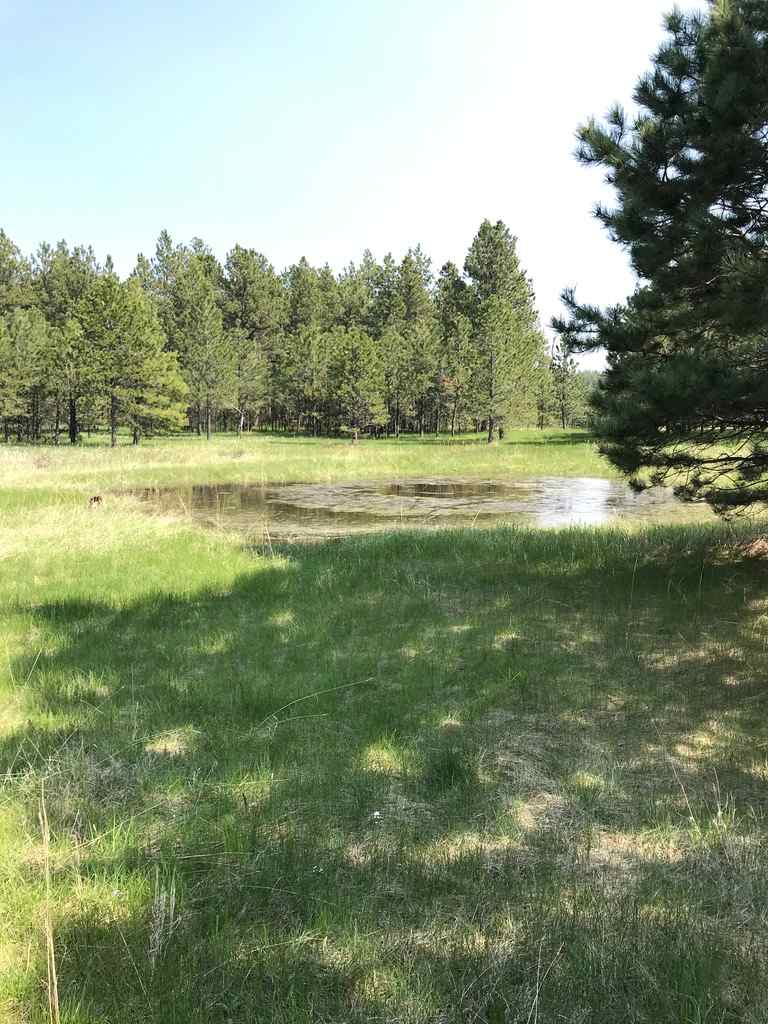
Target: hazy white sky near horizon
(319, 129)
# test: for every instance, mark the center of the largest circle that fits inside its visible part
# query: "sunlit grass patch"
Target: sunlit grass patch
(173, 742)
(384, 758)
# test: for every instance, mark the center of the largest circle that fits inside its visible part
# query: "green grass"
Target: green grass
(484, 776)
(276, 458)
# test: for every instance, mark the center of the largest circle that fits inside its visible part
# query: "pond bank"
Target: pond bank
(314, 511)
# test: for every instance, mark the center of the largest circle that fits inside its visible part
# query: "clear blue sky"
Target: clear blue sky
(317, 127)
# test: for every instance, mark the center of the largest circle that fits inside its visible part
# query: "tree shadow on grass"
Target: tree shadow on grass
(404, 777)
(565, 438)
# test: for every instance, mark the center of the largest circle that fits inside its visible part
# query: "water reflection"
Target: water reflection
(317, 511)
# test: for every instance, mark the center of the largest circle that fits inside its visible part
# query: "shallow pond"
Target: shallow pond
(317, 511)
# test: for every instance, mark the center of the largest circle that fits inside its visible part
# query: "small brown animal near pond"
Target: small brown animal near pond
(95, 501)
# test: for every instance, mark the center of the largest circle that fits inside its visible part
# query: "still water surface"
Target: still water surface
(317, 511)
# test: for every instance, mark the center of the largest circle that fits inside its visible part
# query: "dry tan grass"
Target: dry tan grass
(81, 528)
(173, 743)
(260, 458)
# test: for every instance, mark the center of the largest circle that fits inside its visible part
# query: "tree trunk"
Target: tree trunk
(57, 423)
(73, 430)
(113, 420)
(492, 396)
(208, 421)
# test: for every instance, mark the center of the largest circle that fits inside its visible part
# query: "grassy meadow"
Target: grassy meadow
(464, 776)
(278, 458)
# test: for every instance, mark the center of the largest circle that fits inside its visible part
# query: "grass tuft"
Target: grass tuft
(448, 766)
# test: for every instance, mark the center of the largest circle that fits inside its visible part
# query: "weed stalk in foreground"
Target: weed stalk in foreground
(54, 1015)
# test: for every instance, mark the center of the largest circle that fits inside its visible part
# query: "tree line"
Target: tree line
(188, 343)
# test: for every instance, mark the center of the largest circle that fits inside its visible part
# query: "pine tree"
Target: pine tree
(15, 276)
(420, 335)
(685, 395)
(60, 279)
(509, 345)
(206, 355)
(25, 371)
(567, 388)
(12, 382)
(404, 323)
(495, 364)
(456, 353)
(256, 303)
(313, 299)
(357, 285)
(152, 392)
(156, 403)
(314, 308)
(158, 277)
(387, 308)
(71, 373)
(138, 380)
(356, 377)
(304, 371)
(590, 381)
(251, 374)
(545, 396)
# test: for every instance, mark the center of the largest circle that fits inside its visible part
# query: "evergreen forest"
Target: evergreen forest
(186, 343)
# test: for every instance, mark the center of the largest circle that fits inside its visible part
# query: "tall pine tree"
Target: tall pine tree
(509, 345)
(137, 379)
(685, 396)
(456, 351)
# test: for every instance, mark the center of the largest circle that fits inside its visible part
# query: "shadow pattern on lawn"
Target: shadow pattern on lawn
(445, 779)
